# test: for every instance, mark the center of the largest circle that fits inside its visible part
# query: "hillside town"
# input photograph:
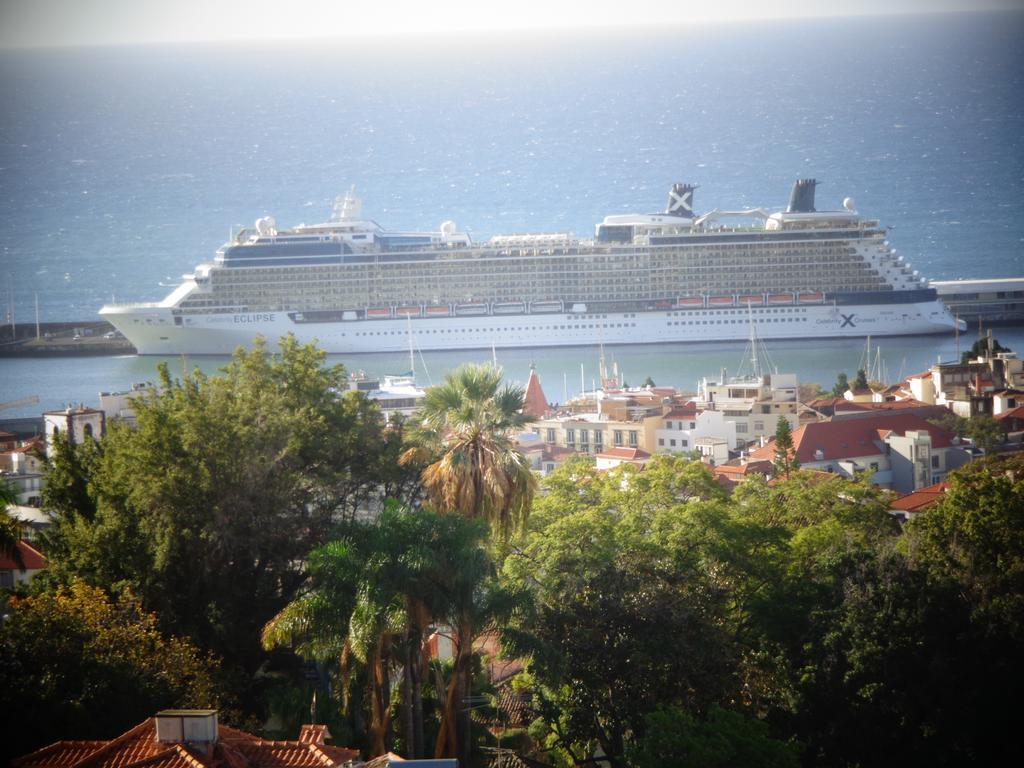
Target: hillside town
(762, 430)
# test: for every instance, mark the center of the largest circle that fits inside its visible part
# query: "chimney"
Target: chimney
(801, 200)
(195, 727)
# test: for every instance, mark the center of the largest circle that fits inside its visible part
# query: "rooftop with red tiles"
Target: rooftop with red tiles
(139, 748)
(630, 454)
(32, 559)
(920, 499)
(850, 438)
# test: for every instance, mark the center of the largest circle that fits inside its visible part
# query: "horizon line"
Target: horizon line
(489, 31)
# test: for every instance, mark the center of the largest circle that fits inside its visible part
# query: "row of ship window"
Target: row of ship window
(524, 328)
(737, 321)
(757, 311)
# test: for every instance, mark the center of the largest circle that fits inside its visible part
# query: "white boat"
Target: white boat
(355, 287)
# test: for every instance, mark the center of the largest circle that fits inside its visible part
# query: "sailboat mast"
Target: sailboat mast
(412, 355)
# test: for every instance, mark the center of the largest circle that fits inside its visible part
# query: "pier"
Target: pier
(82, 338)
(993, 302)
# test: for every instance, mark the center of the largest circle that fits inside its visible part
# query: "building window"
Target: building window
(617, 438)
(570, 437)
(551, 436)
(584, 438)
(672, 443)
(935, 461)
(632, 438)
(874, 466)
(758, 426)
(693, 425)
(661, 441)
(668, 425)
(741, 428)
(598, 439)
(684, 443)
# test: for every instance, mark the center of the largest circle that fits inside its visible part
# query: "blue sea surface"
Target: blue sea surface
(122, 168)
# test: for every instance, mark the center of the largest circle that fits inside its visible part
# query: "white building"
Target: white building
(77, 422)
(683, 426)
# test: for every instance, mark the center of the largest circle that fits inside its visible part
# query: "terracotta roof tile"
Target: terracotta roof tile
(61, 753)
(850, 438)
(630, 454)
(33, 559)
(920, 499)
(1013, 413)
(138, 748)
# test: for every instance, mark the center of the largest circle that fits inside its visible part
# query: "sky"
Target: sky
(46, 23)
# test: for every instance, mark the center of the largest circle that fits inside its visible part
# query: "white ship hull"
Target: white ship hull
(154, 330)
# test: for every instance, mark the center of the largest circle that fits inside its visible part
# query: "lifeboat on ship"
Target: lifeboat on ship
(752, 299)
(810, 297)
(780, 298)
(663, 304)
(441, 310)
(690, 302)
(721, 301)
(508, 307)
(378, 313)
(545, 307)
(472, 308)
(409, 311)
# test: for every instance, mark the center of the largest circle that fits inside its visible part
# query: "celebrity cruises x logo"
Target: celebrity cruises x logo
(848, 320)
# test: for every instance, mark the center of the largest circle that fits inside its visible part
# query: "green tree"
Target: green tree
(861, 382)
(649, 382)
(77, 664)
(785, 460)
(808, 391)
(842, 384)
(472, 469)
(986, 432)
(675, 737)
(632, 603)
(370, 600)
(207, 508)
(980, 348)
(10, 528)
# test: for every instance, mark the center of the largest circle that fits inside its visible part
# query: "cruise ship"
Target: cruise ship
(353, 286)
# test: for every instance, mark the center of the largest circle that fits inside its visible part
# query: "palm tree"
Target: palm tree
(369, 601)
(473, 470)
(464, 430)
(10, 528)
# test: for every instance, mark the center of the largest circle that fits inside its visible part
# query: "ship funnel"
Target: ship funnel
(680, 200)
(802, 198)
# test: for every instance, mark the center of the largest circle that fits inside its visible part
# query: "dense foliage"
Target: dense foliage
(77, 664)
(207, 508)
(658, 620)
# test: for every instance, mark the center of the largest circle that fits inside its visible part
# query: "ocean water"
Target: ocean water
(121, 168)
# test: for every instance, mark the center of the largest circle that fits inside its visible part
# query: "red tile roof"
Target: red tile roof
(62, 753)
(851, 438)
(888, 405)
(922, 498)
(684, 411)
(736, 467)
(629, 454)
(138, 748)
(1013, 413)
(30, 556)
